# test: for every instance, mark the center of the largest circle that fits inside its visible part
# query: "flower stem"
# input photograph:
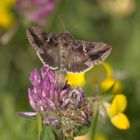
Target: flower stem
(92, 129)
(39, 125)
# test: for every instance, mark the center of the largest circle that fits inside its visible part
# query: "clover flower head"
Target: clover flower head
(67, 108)
(35, 10)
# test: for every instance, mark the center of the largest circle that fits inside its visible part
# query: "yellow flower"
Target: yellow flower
(97, 137)
(108, 69)
(7, 2)
(118, 7)
(99, 74)
(120, 121)
(119, 104)
(84, 137)
(75, 79)
(95, 75)
(110, 81)
(115, 112)
(6, 16)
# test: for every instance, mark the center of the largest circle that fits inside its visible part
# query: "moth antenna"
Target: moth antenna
(64, 27)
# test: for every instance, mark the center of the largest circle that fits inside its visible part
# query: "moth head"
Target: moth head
(47, 36)
(65, 39)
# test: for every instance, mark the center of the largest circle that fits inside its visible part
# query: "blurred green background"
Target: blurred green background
(116, 22)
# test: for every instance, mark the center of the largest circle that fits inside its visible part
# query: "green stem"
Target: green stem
(93, 126)
(39, 125)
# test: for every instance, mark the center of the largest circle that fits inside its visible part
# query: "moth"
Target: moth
(63, 52)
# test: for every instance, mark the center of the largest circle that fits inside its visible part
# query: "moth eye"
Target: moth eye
(47, 39)
(84, 49)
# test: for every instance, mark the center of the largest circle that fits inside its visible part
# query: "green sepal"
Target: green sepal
(48, 133)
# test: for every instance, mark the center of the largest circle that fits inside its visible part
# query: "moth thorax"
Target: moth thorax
(64, 36)
(63, 53)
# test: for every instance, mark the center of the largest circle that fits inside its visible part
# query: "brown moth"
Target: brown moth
(63, 52)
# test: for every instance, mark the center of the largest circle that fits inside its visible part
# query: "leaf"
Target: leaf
(27, 115)
(48, 133)
(83, 130)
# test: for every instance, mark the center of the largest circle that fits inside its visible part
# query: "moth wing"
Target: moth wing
(97, 52)
(86, 54)
(46, 46)
(77, 58)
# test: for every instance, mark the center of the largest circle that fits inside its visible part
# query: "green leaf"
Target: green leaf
(48, 134)
(82, 130)
(26, 116)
